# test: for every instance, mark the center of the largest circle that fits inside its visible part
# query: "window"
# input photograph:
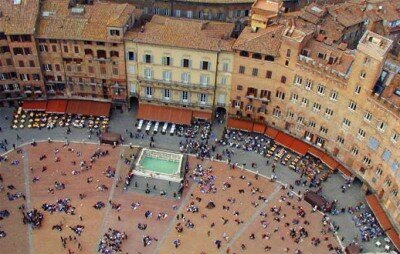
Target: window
(354, 151)
(373, 143)
(244, 53)
(257, 56)
(346, 123)
(283, 80)
(340, 140)
(395, 166)
(328, 113)
(321, 89)
(242, 69)
(276, 112)
(312, 124)
(280, 95)
(363, 74)
(21, 64)
(316, 107)
(386, 155)
(149, 91)
(323, 130)
(185, 95)
(265, 94)
(186, 63)
(294, 98)
(205, 65)
(203, 98)
(166, 60)
(167, 76)
(309, 85)
(304, 102)
(177, 13)
(131, 56)
(382, 126)
(167, 94)
(185, 78)
(31, 63)
(254, 72)
(290, 115)
(204, 80)
(189, 14)
(43, 48)
(352, 106)
(18, 51)
(379, 172)
(334, 95)
(298, 80)
(395, 137)
(47, 67)
(65, 48)
(88, 52)
(269, 58)
(114, 32)
(367, 161)
(148, 58)
(368, 116)
(114, 53)
(269, 75)
(288, 52)
(91, 69)
(101, 54)
(358, 89)
(148, 73)
(224, 80)
(54, 48)
(76, 49)
(239, 88)
(225, 67)
(361, 134)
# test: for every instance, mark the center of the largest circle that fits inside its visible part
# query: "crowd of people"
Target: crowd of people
(112, 241)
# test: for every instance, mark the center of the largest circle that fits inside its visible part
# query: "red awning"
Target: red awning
(165, 114)
(34, 105)
(394, 236)
(329, 161)
(345, 171)
(316, 152)
(56, 106)
(259, 128)
(98, 108)
(284, 139)
(74, 107)
(240, 124)
(378, 211)
(300, 147)
(271, 132)
(202, 115)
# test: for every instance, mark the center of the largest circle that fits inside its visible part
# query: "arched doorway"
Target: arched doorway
(133, 103)
(220, 114)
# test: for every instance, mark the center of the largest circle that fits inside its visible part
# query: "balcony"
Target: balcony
(221, 104)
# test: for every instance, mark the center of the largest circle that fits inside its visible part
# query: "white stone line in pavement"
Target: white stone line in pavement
(174, 220)
(28, 196)
(255, 215)
(110, 196)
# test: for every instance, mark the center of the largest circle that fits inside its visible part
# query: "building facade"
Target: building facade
(187, 65)
(20, 72)
(81, 49)
(343, 101)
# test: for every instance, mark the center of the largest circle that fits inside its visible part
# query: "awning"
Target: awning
(352, 249)
(378, 211)
(300, 147)
(329, 161)
(284, 139)
(165, 114)
(34, 105)
(345, 171)
(202, 115)
(98, 108)
(240, 124)
(316, 152)
(56, 106)
(271, 132)
(259, 128)
(74, 107)
(110, 137)
(394, 236)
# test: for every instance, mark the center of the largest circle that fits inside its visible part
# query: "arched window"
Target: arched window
(288, 52)
(269, 58)
(283, 79)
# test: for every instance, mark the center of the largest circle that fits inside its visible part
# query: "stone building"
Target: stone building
(181, 63)
(81, 49)
(20, 72)
(345, 102)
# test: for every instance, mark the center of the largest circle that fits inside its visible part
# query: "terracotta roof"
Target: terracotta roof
(18, 18)
(58, 22)
(185, 33)
(389, 92)
(265, 41)
(390, 11)
(218, 1)
(347, 14)
(332, 29)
